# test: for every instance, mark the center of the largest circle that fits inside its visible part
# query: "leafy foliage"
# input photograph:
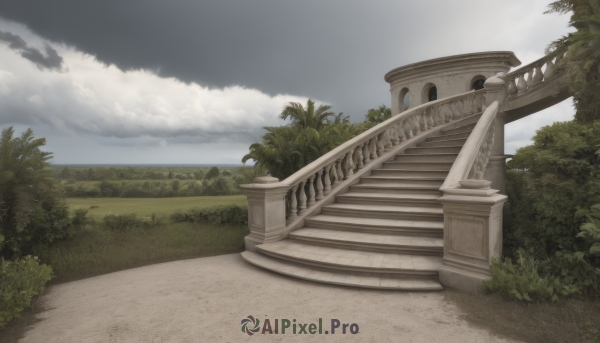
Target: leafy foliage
(312, 133)
(20, 281)
(378, 115)
(521, 281)
(218, 215)
(212, 173)
(30, 212)
(552, 187)
(582, 59)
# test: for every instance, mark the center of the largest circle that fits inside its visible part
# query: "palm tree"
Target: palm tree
(24, 180)
(581, 51)
(378, 115)
(308, 117)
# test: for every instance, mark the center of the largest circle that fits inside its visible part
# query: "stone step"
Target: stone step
(377, 225)
(463, 135)
(408, 172)
(437, 150)
(414, 180)
(366, 241)
(384, 212)
(449, 142)
(426, 158)
(462, 129)
(395, 188)
(339, 278)
(394, 164)
(423, 200)
(388, 264)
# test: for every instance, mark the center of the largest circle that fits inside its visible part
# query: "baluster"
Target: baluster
(319, 185)
(373, 147)
(302, 198)
(512, 88)
(416, 128)
(538, 77)
(366, 152)
(521, 85)
(394, 135)
(451, 111)
(349, 165)
(530, 78)
(339, 169)
(359, 156)
(380, 144)
(400, 131)
(336, 180)
(439, 115)
(470, 107)
(459, 109)
(311, 191)
(327, 181)
(408, 128)
(549, 72)
(294, 204)
(422, 122)
(430, 121)
(388, 141)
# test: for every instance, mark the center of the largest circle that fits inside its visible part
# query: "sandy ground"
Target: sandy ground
(204, 300)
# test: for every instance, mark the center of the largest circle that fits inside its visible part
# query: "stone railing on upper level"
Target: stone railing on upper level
(275, 207)
(527, 77)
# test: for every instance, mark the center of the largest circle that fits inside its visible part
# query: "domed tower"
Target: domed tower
(417, 83)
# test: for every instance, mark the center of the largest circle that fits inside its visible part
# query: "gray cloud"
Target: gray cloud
(50, 61)
(337, 50)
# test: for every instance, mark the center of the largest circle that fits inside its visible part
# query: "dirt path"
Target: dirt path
(204, 300)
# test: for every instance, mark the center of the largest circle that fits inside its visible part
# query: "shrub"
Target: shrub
(552, 186)
(20, 281)
(212, 173)
(217, 215)
(521, 281)
(129, 221)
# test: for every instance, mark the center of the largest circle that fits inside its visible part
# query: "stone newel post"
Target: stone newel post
(496, 168)
(266, 211)
(472, 234)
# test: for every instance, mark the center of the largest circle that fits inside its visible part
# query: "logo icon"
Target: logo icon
(252, 322)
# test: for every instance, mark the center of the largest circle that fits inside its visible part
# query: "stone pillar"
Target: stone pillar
(266, 211)
(472, 234)
(496, 167)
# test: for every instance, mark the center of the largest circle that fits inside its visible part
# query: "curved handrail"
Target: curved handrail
(473, 157)
(534, 73)
(313, 182)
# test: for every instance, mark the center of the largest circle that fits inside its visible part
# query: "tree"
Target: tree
(199, 175)
(311, 134)
(66, 173)
(212, 173)
(378, 115)
(171, 175)
(307, 117)
(30, 211)
(582, 55)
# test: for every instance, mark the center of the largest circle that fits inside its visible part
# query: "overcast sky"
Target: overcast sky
(183, 81)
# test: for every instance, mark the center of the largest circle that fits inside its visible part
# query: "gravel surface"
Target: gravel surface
(205, 299)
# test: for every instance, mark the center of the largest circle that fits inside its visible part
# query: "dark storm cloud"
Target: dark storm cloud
(50, 61)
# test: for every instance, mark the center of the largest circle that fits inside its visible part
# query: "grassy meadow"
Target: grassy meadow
(150, 236)
(97, 208)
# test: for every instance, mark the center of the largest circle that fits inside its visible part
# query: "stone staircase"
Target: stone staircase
(386, 232)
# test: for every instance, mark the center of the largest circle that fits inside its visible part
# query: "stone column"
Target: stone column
(266, 211)
(496, 167)
(472, 234)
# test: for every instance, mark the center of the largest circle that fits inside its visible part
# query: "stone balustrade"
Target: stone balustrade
(274, 206)
(316, 180)
(531, 75)
(473, 211)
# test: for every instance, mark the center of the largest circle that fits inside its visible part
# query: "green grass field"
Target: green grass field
(144, 207)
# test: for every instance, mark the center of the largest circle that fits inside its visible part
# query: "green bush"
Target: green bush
(217, 215)
(521, 281)
(20, 281)
(129, 221)
(552, 186)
